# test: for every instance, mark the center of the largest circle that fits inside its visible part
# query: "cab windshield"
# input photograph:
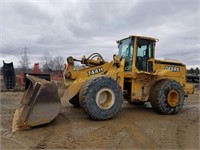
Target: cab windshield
(126, 51)
(125, 48)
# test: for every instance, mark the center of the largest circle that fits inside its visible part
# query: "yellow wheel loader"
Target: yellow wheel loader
(100, 87)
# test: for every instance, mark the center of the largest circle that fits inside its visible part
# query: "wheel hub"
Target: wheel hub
(173, 98)
(105, 98)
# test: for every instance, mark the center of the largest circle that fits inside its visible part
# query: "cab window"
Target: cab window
(144, 52)
(126, 51)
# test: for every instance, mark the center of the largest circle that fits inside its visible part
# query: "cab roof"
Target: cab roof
(143, 37)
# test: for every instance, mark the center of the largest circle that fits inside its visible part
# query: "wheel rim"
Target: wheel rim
(173, 98)
(105, 98)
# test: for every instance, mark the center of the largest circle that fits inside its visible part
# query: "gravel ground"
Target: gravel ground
(135, 127)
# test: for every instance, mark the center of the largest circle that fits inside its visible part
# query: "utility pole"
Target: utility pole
(25, 59)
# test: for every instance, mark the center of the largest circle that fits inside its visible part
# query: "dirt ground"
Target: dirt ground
(135, 127)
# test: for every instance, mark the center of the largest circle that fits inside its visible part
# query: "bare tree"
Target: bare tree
(46, 60)
(58, 63)
(25, 61)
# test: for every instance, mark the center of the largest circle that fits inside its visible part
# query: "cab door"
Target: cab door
(144, 52)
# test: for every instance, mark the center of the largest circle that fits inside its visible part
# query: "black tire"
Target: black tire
(90, 98)
(167, 97)
(75, 101)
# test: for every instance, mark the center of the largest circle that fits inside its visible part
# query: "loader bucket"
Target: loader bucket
(39, 105)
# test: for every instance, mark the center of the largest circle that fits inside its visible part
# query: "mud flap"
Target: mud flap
(39, 105)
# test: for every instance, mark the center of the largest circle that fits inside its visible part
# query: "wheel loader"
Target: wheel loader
(133, 75)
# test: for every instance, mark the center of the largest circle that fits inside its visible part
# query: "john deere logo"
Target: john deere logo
(172, 68)
(95, 71)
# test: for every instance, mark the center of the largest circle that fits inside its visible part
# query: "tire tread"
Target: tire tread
(83, 94)
(155, 95)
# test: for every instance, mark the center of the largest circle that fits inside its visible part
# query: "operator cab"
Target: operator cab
(138, 52)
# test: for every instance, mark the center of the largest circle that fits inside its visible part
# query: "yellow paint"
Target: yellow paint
(173, 98)
(137, 83)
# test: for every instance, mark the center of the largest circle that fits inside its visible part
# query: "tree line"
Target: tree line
(193, 71)
(49, 63)
(46, 61)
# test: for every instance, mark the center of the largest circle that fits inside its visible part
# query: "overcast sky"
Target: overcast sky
(81, 27)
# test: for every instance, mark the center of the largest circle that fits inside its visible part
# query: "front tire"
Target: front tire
(101, 98)
(167, 97)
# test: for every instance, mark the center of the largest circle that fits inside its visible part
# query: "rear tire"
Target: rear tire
(167, 97)
(101, 98)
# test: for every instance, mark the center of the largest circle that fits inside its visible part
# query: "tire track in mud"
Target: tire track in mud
(187, 130)
(81, 135)
(8, 141)
(56, 135)
(99, 137)
(130, 130)
(155, 134)
(115, 137)
(42, 144)
(48, 137)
